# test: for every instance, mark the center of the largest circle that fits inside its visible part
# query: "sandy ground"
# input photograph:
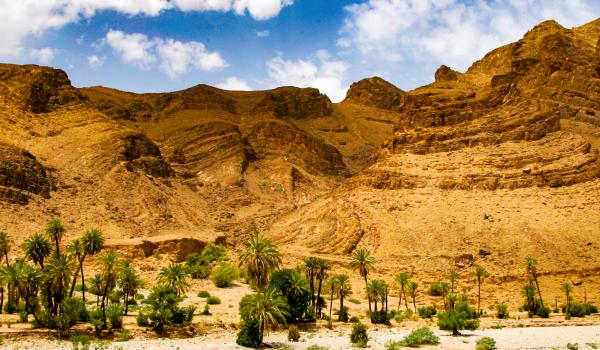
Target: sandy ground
(587, 337)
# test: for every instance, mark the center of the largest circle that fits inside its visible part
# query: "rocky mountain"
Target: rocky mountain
(481, 167)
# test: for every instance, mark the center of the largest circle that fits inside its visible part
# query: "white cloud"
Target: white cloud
(258, 9)
(24, 18)
(44, 55)
(326, 74)
(263, 33)
(450, 31)
(174, 57)
(132, 48)
(234, 84)
(95, 62)
(178, 57)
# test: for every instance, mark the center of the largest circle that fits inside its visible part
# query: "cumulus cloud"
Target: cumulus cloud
(263, 33)
(324, 73)
(178, 57)
(258, 9)
(95, 62)
(234, 84)
(450, 31)
(25, 18)
(175, 57)
(44, 55)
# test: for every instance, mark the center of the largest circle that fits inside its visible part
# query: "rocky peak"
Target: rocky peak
(445, 73)
(295, 103)
(376, 92)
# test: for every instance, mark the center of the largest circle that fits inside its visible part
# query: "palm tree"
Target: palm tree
(96, 286)
(55, 231)
(267, 307)
(75, 248)
(176, 277)
(129, 282)
(30, 280)
(261, 258)
(344, 288)
(108, 266)
(444, 288)
(453, 276)
(531, 264)
(363, 262)
(412, 290)
(4, 249)
(10, 276)
(37, 248)
(377, 291)
(92, 242)
(402, 280)
(311, 268)
(5, 242)
(568, 289)
(333, 282)
(58, 273)
(480, 273)
(321, 275)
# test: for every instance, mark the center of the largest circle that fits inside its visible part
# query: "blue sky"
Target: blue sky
(166, 45)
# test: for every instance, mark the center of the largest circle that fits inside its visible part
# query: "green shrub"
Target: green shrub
(74, 309)
(214, 253)
(183, 315)
(23, 316)
(293, 333)
(213, 300)
(139, 296)
(354, 301)
(403, 315)
(203, 294)
(206, 311)
(114, 316)
(436, 289)
(359, 336)
(163, 305)
(224, 274)
(427, 312)
(142, 319)
(580, 310)
(199, 271)
(354, 319)
(318, 347)
(343, 314)
(249, 334)
(124, 336)
(80, 342)
(416, 338)
(502, 311)
(96, 319)
(485, 343)
(572, 346)
(379, 317)
(455, 320)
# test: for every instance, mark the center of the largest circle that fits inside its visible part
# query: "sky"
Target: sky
(168, 45)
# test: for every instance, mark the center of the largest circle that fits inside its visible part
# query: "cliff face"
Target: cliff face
(502, 158)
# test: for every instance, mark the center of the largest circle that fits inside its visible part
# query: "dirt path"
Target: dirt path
(587, 337)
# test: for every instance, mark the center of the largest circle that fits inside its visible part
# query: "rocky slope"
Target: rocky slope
(481, 167)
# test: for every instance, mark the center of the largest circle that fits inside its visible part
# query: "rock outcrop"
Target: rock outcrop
(376, 92)
(22, 175)
(294, 103)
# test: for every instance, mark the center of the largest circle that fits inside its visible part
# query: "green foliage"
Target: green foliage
(400, 316)
(318, 347)
(502, 311)
(96, 319)
(354, 301)
(379, 317)
(416, 338)
(213, 300)
(461, 317)
(203, 294)
(249, 334)
(123, 336)
(183, 315)
(199, 271)
(354, 319)
(80, 341)
(114, 316)
(214, 253)
(427, 312)
(206, 311)
(224, 274)
(175, 277)
(23, 316)
(579, 309)
(485, 343)
(293, 333)
(163, 306)
(142, 319)
(294, 287)
(343, 314)
(359, 336)
(572, 346)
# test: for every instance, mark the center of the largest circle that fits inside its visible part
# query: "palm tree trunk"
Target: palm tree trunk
(73, 283)
(368, 295)
(386, 302)
(312, 289)
(330, 303)
(82, 283)
(479, 295)
(319, 293)
(399, 299)
(261, 334)
(104, 306)
(1, 299)
(538, 288)
(444, 299)
(414, 298)
(405, 298)
(126, 302)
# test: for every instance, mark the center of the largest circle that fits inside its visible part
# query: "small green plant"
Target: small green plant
(114, 316)
(203, 294)
(354, 319)
(318, 347)
(224, 274)
(206, 311)
(23, 316)
(592, 345)
(572, 346)
(359, 337)
(124, 336)
(354, 301)
(502, 311)
(142, 319)
(80, 342)
(293, 333)
(485, 343)
(427, 312)
(212, 300)
(420, 336)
